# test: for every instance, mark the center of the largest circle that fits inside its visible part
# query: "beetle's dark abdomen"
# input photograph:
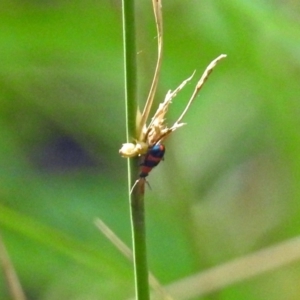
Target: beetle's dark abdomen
(152, 158)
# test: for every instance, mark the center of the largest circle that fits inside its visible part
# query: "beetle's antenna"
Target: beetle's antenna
(148, 183)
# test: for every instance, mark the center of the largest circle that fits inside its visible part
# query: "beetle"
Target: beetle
(152, 158)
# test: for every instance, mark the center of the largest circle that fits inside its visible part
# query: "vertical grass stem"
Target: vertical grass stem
(137, 210)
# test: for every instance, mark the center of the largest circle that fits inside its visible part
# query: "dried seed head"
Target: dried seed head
(157, 130)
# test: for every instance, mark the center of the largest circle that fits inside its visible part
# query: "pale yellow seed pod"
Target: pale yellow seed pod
(132, 150)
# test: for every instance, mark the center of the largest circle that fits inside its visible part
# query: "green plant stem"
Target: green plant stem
(139, 243)
(136, 199)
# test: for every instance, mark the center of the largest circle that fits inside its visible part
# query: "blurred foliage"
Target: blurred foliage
(230, 181)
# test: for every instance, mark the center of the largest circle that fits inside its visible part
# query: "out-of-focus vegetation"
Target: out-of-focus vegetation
(229, 184)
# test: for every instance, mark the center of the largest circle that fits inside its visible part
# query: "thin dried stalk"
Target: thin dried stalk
(200, 84)
(163, 107)
(237, 270)
(127, 252)
(13, 283)
(157, 7)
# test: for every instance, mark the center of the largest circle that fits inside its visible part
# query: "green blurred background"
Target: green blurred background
(229, 184)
